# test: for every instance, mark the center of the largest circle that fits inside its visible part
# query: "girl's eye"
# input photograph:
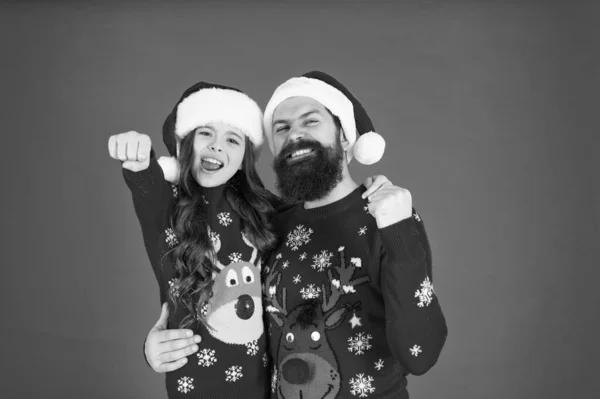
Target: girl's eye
(203, 132)
(233, 141)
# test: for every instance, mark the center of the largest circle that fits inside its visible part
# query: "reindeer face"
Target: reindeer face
(304, 330)
(307, 363)
(235, 310)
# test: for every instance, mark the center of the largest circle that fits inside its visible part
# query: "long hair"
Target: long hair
(194, 256)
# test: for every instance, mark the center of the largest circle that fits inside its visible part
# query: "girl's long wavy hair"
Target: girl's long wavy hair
(194, 256)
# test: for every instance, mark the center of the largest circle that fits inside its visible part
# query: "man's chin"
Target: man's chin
(300, 166)
(303, 184)
(310, 177)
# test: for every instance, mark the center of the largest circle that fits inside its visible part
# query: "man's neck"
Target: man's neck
(341, 190)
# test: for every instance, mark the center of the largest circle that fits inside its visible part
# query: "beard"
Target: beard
(312, 178)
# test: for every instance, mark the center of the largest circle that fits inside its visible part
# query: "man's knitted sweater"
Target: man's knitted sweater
(352, 308)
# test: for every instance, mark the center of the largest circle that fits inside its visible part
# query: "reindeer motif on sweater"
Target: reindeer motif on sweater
(307, 364)
(234, 310)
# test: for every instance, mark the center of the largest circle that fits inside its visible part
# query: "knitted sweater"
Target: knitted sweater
(231, 361)
(352, 307)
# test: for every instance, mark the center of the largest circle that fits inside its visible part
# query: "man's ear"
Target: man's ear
(344, 140)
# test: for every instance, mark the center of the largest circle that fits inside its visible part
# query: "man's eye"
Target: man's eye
(311, 122)
(282, 128)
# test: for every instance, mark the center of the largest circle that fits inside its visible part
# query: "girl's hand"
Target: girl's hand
(132, 148)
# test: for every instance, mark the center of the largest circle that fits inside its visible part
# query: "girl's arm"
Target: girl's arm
(151, 194)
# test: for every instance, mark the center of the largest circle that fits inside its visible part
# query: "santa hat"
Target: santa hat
(205, 103)
(365, 145)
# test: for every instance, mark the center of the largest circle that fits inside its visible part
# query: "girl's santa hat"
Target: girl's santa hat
(205, 103)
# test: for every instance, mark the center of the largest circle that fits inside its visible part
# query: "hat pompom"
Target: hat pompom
(369, 148)
(170, 168)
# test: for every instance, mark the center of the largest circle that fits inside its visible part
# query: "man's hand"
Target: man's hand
(389, 204)
(132, 148)
(167, 350)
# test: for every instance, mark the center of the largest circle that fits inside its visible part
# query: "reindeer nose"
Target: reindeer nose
(244, 307)
(296, 371)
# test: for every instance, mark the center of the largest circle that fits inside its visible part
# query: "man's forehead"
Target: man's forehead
(294, 107)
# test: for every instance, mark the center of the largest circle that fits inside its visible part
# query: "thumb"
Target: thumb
(161, 324)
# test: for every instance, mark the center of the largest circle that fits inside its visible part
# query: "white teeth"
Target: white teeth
(300, 152)
(213, 161)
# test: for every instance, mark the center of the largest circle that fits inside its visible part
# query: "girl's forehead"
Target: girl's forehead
(223, 128)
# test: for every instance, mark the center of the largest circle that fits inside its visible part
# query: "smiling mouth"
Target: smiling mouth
(211, 164)
(329, 389)
(299, 155)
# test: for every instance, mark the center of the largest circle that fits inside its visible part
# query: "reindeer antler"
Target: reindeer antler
(216, 240)
(345, 284)
(254, 256)
(277, 310)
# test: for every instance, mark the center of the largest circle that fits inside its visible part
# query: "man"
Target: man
(348, 290)
(350, 302)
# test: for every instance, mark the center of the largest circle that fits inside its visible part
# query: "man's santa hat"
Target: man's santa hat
(365, 145)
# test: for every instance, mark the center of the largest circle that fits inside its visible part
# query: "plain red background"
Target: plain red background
(490, 115)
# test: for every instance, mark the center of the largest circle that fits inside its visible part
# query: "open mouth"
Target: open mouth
(299, 155)
(211, 164)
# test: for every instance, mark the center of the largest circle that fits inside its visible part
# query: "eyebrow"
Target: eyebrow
(209, 127)
(235, 134)
(304, 115)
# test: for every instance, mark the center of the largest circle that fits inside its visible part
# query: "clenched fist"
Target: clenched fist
(132, 148)
(389, 204)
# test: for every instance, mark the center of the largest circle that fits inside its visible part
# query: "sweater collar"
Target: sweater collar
(335, 207)
(213, 194)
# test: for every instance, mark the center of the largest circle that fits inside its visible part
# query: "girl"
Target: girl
(205, 238)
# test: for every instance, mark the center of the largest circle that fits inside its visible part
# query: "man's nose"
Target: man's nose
(296, 133)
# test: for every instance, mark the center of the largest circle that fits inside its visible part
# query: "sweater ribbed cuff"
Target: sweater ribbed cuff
(401, 240)
(151, 173)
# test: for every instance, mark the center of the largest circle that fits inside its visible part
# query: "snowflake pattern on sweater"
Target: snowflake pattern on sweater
(206, 357)
(185, 384)
(425, 294)
(359, 343)
(234, 373)
(300, 236)
(362, 386)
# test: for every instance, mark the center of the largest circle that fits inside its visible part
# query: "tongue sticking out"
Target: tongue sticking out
(211, 166)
